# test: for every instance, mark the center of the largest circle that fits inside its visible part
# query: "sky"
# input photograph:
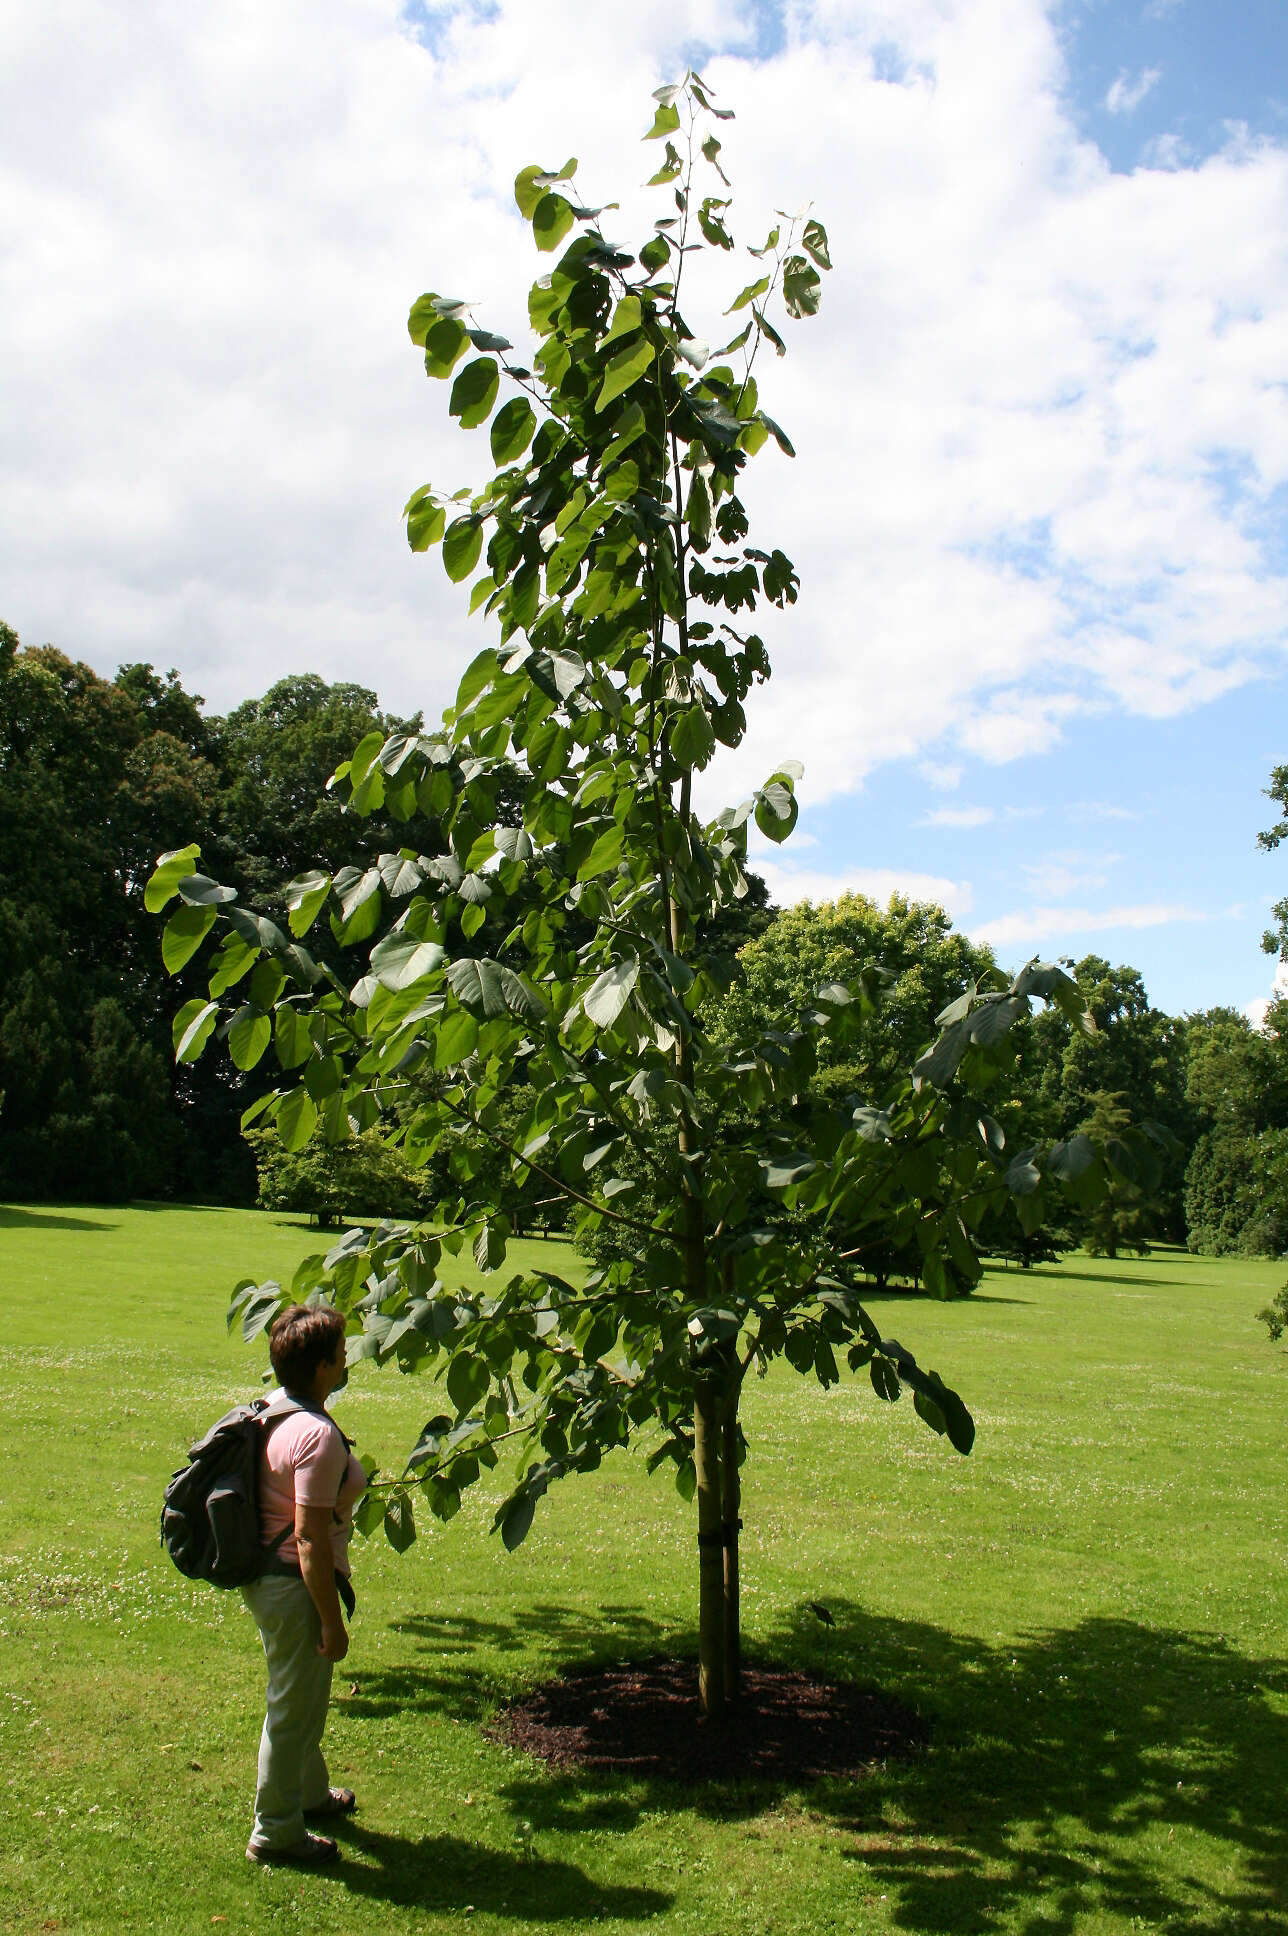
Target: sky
(1037, 670)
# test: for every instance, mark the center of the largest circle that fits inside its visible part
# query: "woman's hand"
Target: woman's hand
(334, 1644)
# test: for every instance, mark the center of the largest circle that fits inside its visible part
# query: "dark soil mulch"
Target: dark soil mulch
(641, 1718)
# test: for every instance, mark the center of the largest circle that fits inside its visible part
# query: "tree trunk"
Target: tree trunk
(711, 1574)
(731, 1496)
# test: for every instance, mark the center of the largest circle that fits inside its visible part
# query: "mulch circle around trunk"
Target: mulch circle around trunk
(641, 1718)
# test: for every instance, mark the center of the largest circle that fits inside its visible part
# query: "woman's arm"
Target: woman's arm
(317, 1564)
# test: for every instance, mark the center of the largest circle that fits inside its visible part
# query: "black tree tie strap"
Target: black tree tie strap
(727, 1536)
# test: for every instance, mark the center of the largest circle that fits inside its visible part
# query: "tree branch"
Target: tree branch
(629, 1223)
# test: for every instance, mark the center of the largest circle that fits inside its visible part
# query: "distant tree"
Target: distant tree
(1137, 1051)
(1237, 1087)
(912, 966)
(1120, 1219)
(93, 774)
(1236, 1076)
(1236, 1194)
(1275, 940)
(277, 814)
(361, 1177)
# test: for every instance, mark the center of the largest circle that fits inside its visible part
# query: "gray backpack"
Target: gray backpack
(210, 1513)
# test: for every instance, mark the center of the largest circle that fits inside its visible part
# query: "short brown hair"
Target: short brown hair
(301, 1339)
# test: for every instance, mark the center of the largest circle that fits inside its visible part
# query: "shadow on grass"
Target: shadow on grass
(22, 1217)
(448, 1679)
(1140, 1282)
(1083, 1771)
(910, 1294)
(442, 1873)
(1100, 1770)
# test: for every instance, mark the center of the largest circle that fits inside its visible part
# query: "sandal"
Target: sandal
(308, 1854)
(339, 1801)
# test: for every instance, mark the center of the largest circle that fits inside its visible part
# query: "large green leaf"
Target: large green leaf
(234, 959)
(627, 318)
(445, 345)
(665, 121)
(609, 994)
(193, 1027)
(489, 1245)
(604, 855)
(400, 1522)
(184, 933)
(624, 370)
(163, 883)
(249, 1034)
(455, 1038)
(551, 220)
(474, 392)
(491, 986)
(802, 286)
(296, 1118)
(776, 811)
(814, 239)
(291, 1036)
(402, 959)
(468, 1378)
(516, 1520)
(693, 741)
(425, 523)
(305, 898)
(198, 890)
(512, 429)
(461, 547)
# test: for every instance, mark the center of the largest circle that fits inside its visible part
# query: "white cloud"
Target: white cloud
(215, 221)
(1060, 924)
(943, 777)
(1099, 810)
(788, 885)
(1056, 876)
(1169, 151)
(957, 817)
(1126, 94)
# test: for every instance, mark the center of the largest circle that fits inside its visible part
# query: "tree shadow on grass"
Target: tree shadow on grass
(1143, 1284)
(1100, 1770)
(23, 1217)
(443, 1675)
(1083, 1771)
(442, 1873)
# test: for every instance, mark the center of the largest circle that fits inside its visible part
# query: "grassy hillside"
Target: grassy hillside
(1092, 1611)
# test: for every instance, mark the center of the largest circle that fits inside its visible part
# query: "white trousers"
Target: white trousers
(292, 1772)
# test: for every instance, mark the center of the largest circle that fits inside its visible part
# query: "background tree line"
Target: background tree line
(99, 776)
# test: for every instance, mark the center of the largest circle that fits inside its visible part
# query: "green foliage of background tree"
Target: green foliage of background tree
(1275, 940)
(363, 1176)
(1236, 1187)
(277, 815)
(912, 965)
(612, 552)
(1120, 1218)
(94, 774)
(1137, 1051)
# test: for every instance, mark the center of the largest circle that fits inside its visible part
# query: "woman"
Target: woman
(308, 1485)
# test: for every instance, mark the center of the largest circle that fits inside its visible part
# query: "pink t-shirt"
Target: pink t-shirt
(305, 1462)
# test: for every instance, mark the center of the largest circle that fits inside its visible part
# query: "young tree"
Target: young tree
(611, 550)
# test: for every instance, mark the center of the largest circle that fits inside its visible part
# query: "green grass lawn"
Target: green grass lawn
(1091, 1611)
